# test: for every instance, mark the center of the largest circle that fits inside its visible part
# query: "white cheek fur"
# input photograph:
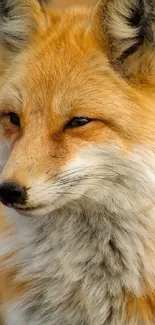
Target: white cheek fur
(95, 174)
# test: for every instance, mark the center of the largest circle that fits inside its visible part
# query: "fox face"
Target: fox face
(77, 156)
(76, 102)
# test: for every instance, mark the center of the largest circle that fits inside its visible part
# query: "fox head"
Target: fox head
(77, 103)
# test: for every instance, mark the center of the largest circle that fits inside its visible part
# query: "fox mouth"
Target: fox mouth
(29, 210)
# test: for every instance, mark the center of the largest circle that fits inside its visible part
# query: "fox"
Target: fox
(77, 156)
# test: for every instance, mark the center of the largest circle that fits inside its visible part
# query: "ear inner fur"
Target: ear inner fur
(124, 28)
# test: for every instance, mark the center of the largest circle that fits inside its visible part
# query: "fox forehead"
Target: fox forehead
(64, 76)
(63, 80)
(65, 73)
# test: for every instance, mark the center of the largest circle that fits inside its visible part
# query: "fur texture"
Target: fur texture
(81, 249)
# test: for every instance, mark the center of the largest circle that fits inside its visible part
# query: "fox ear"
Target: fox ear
(18, 20)
(126, 31)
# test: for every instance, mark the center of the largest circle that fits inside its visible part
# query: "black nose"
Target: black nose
(11, 193)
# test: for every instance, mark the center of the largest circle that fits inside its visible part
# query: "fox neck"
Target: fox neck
(118, 245)
(104, 247)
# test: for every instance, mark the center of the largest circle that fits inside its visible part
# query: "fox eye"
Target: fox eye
(14, 119)
(78, 121)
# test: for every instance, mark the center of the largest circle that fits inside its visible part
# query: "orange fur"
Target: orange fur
(140, 307)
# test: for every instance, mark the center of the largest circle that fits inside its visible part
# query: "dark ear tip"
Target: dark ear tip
(4, 8)
(137, 14)
(142, 16)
